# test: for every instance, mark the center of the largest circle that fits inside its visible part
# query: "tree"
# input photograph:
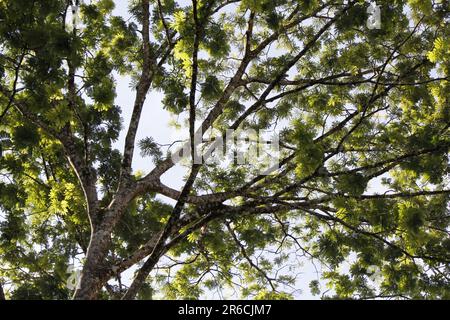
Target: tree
(362, 115)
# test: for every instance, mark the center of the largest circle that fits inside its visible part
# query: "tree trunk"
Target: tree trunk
(91, 280)
(95, 267)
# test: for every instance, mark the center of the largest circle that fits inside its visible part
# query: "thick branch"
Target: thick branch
(141, 93)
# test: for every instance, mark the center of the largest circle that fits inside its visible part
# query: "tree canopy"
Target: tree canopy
(362, 115)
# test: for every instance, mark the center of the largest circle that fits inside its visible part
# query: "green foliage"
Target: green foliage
(24, 136)
(215, 41)
(411, 218)
(310, 154)
(314, 287)
(353, 184)
(175, 99)
(150, 148)
(211, 88)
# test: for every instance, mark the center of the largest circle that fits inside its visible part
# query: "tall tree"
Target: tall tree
(363, 119)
